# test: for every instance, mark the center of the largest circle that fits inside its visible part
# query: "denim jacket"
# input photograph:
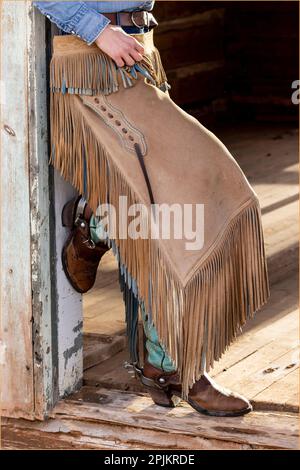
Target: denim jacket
(84, 18)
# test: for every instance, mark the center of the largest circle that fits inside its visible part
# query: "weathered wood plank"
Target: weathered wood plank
(120, 420)
(17, 398)
(198, 82)
(260, 370)
(168, 11)
(260, 333)
(44, 368)
(69, 436)
(98, 348)
(68, 302)
(113, 323)
(112, 374)
(194, 31)
(103, 306)
(268, 430)
(283, 394)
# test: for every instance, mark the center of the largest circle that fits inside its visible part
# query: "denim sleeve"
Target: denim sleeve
(75, 18)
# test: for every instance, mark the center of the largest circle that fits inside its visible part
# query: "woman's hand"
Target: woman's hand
(120, 46)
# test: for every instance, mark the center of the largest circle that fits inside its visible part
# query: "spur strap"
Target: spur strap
(81, 205)
(151, 383)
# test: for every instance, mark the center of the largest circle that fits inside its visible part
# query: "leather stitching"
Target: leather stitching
(128, 134)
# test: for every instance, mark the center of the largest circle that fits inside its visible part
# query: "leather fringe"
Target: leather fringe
(197, 323)
(96, 72)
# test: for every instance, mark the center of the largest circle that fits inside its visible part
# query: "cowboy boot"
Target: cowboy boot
(80, 255)
(205, 396)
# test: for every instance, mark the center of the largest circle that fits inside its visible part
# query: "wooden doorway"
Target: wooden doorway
(42, 320)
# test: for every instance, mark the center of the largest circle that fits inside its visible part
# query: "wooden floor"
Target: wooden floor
(263, 363)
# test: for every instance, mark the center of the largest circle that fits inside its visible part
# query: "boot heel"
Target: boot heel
(164, 398)
(68, 213)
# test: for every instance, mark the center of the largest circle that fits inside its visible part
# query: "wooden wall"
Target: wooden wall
(262, 40)
(190, 38)
(230, 59)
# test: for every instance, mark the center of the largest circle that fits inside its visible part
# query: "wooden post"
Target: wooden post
(69, 305)
(41, 325)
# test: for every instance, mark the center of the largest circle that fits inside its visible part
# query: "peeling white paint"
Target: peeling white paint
(15, 245)
(69, 305)
(2, 353)
(3, 100)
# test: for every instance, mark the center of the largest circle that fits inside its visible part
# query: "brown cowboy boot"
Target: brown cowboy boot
(205, 396)
(80, 255)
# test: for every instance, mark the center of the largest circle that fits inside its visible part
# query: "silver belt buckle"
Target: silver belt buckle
(145, 19)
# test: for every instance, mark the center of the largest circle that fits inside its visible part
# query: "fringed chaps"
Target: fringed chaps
(198, 300)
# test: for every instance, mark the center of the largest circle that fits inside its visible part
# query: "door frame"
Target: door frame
(41, 315)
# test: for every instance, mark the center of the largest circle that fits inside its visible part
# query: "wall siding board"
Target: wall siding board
(69, 315)
(258, 44)
(17, 395)
(39, 217)
(27, 382)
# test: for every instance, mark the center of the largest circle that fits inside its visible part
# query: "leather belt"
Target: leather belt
(133, 18)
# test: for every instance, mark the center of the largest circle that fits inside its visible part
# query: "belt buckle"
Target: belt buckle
(145, 19)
